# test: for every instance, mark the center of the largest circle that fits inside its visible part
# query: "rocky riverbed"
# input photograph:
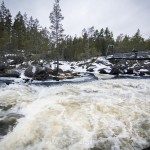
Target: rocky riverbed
(46, 71)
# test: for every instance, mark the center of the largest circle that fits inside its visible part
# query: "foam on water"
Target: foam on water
(107, 114)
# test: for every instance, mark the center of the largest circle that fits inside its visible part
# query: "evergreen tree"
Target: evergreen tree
(5, 27)
(56, 28)
(137, 41)
(18, 31)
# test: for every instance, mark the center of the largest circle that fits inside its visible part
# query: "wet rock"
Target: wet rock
(80, 65)
(103, 71)
(7, 82)
(115, 71)
(29, 72)
(90, 66)
(28, 80)
(10, 73)
(69, 75)
(3, 67)
(76, 74)
(90, 69)
(8, 122)
(40, 74)
(129, 71)
(55, 71)
(148, 148)
(5, 108)
(56, 78)
(141, 74)
(49, 71)
(72, 67)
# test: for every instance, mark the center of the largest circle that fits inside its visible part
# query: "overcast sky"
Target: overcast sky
(120, 16)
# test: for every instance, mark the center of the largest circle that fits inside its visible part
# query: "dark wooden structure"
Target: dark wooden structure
(134, 55)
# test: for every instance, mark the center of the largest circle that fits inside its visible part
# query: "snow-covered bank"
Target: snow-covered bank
(70, 71)
(105, 114)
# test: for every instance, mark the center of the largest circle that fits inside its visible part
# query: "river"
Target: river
(104, 114)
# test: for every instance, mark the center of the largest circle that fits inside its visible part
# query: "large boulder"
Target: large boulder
(129, 71)
(3, 67)
(8, 122)
(30, 71)
(116, 71)
(10, 73)
(41, 74)
(103, 71)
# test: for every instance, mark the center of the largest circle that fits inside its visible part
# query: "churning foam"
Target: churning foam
(107, 114)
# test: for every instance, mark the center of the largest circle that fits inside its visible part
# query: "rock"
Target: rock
(28, 80)
(3, 67)
(40, 74)
(10, 73)
(90, 69)
(69, 75)
(148, 72)
(55, 71)
(115, 71)
(72, 67)
(129, 71)
(80, 65)
(90, 66)
(30, 71)
(7, 82)
(5, 108)
(76, 74)
(56, 78)
(8, 122)
(141, 74)
(49, 71)
(103, 71)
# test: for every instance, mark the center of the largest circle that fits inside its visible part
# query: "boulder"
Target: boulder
(115, 71)
(129, 71)
(49, 71)
(90, 69)
(8, 122)
(3, 67)
(141, 74)
(10, 73)
(5, 108)
(69, 75)
(30, 71)
(55, 71)
(40, 74)
(72, 67)
(103, 71)
(76, 74)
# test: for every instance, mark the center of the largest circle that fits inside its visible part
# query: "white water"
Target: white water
(109, 114)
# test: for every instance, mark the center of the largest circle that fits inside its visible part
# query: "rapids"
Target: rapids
(103, 114)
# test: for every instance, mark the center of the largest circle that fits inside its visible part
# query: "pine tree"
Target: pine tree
(18, 31)
(56, 28)
(5, 27)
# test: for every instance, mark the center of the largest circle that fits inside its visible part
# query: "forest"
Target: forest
(24, 35)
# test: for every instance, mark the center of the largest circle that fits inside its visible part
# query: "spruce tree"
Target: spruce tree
(56, 28)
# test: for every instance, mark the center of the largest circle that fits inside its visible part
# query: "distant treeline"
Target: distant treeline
(25, 33)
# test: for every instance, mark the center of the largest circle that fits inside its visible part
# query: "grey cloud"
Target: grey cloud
(121, 16)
